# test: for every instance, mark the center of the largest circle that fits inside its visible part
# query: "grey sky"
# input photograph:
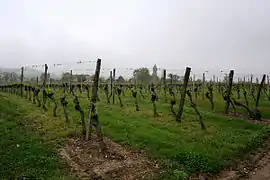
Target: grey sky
(203, 34)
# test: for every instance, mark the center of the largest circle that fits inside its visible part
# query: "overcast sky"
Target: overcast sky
(209, 35)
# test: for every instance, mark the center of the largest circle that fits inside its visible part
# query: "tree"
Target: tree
(121, 79)
(174, 77)
(5, 76)
(142, 75)
(51, 80)
(81, 78)
(66, 77)
(131, 80)
(102, 80)
(42, 76)
(12, 77)
(32, 79)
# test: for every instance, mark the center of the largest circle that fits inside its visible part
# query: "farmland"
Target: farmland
(173, 149)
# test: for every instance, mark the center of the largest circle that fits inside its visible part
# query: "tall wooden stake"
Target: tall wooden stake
(11, 77)
(45, 76)
(22, 82)
(93, 100)
(164, 84)
(203, 85)
(183, 95)
(95, 84)
(44, 86)
(193, 85)
(229, 91)
(113, 84)
(251, 81)
(268, 85)
(70, 81)
(259, 91)
(171, 80)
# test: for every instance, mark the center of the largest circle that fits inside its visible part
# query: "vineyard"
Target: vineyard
(161, 130)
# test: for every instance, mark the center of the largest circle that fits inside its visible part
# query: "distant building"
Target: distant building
(154, 75)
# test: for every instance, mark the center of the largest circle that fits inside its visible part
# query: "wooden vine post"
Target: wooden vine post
(203, 85)
(229, 92)
(70, 82)
(268, 85)
(254, 114)
(93, 115)
(251, 81)
(193, 85)
(45, 76)
(113, 84)
(37, 80)
(183, 95)
(21, 86)
(44, 86)
(164, 84)
(259, 91)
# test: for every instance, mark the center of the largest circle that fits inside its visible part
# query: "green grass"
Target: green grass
(264, 104)
(22, 153)
(183, 147)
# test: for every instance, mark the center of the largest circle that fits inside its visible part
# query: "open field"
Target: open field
(135, 90)
(23, 153)
(179, 149)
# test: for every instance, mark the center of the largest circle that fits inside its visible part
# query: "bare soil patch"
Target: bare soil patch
(245, 117)
(255, 166)
(115, 162)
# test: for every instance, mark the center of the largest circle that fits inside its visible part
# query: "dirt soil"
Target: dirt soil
(87, 161)
(254, 167)
(244, 116)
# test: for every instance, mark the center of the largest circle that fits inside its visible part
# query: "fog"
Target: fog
(203, 34)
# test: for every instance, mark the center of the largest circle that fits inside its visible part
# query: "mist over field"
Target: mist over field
(206, 35)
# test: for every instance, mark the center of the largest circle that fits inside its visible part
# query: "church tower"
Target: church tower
(154, 75)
